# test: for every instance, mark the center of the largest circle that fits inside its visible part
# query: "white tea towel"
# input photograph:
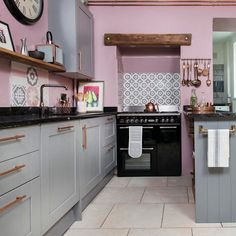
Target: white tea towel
(218, 148)
(135, 141)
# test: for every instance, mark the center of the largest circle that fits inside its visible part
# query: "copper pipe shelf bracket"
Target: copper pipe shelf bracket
(204, 131)
(147, 39)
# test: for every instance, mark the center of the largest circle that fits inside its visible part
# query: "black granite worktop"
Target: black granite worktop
(216, 116)
(24, 116)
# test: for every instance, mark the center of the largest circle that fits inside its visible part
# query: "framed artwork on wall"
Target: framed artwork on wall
(5, 37)
(93, 94)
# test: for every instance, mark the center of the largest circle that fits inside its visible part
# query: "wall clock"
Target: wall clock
(26, 11)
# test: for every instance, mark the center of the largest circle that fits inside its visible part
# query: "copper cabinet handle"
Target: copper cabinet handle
(109, 119)
(15, 169)
(11, 204)
(16, 137)
(84, 137)
(65, 128)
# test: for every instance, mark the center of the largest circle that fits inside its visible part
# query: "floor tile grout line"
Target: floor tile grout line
(143, 194)
(192, 231)
(128, 232)
(162, 217)
(188, 195)
(107, 216)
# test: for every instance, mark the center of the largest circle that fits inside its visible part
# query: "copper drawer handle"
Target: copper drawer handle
(16, 137)
(61, 129)
(11, 204)
(15, 169)
(84, 137)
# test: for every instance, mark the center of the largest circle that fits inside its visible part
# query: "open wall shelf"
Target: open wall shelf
(15, 56)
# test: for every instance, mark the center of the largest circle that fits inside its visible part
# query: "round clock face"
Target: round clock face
(25, 11)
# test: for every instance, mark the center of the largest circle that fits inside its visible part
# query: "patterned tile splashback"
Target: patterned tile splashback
(136, 89)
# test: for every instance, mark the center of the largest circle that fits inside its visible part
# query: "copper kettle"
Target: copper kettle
(150, 107)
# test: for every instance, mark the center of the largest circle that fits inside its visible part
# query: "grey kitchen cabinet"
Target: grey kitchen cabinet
(71, 24)
(59, 175)
(20, 181)
(89, 154)
(109, 146)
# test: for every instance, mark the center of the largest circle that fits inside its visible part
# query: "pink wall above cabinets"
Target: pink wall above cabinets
(35, 34)
(156, 20)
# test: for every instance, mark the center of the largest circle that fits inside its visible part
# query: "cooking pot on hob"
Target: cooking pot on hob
(150, 107)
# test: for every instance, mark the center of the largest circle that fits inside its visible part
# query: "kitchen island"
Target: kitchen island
(215, 191)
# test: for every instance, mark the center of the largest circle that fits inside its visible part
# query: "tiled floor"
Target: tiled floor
(146, 206)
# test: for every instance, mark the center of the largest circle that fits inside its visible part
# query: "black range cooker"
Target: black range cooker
(161, 144)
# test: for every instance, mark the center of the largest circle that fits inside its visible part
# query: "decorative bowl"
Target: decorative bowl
(36, 54)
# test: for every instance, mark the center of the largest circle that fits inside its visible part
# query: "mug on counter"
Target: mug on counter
(81, 106)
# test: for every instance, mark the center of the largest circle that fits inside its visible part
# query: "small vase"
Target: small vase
(23, 49)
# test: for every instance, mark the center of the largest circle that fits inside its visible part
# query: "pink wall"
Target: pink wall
(160, 20)
(35, 34)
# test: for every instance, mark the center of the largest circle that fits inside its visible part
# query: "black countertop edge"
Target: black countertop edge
(12, 121)
(211, 116)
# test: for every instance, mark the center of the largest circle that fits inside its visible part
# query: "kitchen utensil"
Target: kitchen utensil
(205, 71)
(196, 82)
(37, 54)
(190, 73)
(150, 107)
(188, 81)
(208, 81)
(183, 69)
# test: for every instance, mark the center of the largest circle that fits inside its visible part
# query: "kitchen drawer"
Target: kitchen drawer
(19, 170)
(20, 211)
(18, 141)
(109, 158)
(109, 130)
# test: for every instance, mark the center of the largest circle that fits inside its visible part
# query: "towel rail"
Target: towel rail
(204, 131)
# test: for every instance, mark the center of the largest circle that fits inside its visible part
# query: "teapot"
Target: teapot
(150, 107)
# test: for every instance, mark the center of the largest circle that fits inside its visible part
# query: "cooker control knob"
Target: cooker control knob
(141, 120)
(131, 121)
(162, 120)
(167, 120)
(136, 121)
(156, 120)
(145, 121)
(172, 120)
(127, 121)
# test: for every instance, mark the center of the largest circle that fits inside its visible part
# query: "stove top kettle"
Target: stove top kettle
(151, 107)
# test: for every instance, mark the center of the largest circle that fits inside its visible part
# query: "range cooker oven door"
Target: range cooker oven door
(169, 150)
(145, 165)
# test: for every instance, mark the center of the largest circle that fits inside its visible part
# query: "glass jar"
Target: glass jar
(193, 98)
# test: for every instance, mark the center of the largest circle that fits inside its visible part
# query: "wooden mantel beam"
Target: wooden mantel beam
(147, 39)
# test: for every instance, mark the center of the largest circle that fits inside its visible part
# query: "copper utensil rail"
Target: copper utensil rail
(11, 204)
(204, 131)
(14, 169)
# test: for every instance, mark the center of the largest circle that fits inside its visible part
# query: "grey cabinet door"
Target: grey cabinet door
(22, 217)
(89, 154)
(85, 41)
(72, 26)
(59, 190)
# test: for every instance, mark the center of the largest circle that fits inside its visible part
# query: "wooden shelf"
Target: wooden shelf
(15, 56)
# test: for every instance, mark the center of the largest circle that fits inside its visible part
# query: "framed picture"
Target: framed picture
(5, 37)
(93, 94)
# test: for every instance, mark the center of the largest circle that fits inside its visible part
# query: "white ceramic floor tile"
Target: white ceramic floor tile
(97, 232)
(180, 181)
(147, 181)
(214, 232)
(190, 195)
(119, 182)
(93, 216)
(229, 224)
(160, 232)
(119, 195)
(182, 215)
(165, 195)
(135, 216)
